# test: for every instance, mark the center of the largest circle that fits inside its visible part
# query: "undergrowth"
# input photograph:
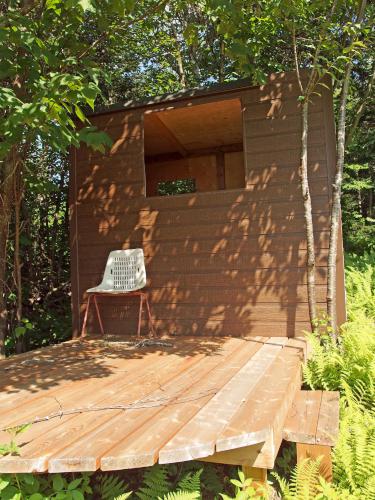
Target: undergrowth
(346, 365)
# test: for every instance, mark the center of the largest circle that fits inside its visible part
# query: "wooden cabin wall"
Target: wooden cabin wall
(227, 262)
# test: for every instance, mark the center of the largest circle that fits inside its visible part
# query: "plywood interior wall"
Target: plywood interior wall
(224, 262)
(202, 142)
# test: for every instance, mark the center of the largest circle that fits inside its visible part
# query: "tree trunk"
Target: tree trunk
(221, 60)
(6, 200)
(308, 217)
(180, 63)
(336, 204)
(371, 193)
(336, 192)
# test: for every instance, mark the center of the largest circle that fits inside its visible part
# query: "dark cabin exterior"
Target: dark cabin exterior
(228, 256)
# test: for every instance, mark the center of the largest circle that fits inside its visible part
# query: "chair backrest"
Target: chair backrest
(125, 271)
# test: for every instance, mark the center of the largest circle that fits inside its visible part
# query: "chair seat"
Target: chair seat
(113, 291)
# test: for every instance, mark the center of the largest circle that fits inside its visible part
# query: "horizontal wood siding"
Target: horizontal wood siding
(223, 262)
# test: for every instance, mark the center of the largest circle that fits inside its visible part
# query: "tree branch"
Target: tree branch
(135, 405)
(360, 109)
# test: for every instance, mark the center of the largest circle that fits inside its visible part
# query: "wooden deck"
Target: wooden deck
(115, 405)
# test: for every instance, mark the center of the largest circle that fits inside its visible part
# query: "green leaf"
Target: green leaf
(10, 493)
(57, 482)
(77, 495)
(54, 5)
(74, 484)
(86, 5)
(95, 139)
(4, 483)
(79, 113)
(19, 331)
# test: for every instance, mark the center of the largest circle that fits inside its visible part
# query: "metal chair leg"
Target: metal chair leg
(151, 322)
(140, 315)
(83, 331)
(98, 315)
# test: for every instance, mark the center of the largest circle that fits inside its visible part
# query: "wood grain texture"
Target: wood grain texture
(313, 418)
(252, 237)
(136, 451)
(251, 424)
(197, 439)
(247, 384)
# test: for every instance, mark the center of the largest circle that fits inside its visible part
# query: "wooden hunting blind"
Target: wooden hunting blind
(207, 183)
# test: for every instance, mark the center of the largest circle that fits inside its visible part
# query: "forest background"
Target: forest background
(60, 59)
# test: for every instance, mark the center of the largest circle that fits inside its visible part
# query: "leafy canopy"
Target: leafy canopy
(48, 75)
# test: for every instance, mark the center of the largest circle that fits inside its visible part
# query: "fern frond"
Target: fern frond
(110, 487)
(210, 479)
(155, 483)
(191, 481)
(304, 482)
(283, 486)
(354, 464)
(181, 495)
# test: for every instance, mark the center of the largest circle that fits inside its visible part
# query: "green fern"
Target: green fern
(155, 483)
(110, 487)
(350, 361)
(360, 285)
(354, 454)
(191, 481)
(211, 480)
(304, 481)
(181, 495)
(211, 483)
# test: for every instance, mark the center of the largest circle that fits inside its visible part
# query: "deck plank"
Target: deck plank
(302, 421)
(85, 453)
(261, 418)
(44, 399)
(44, 439)
(80, 392)
(198, 438)
(141, 448)
(255, 419)
(199, 387)
(328, 422)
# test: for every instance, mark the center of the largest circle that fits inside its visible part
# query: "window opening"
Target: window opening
(194, 149)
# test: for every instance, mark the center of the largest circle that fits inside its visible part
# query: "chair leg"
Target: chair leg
(98, 315)
(150, 317)
(140, 315)
(83, 331)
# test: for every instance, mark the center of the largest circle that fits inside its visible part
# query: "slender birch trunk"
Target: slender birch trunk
(305, 188)
(336, 204)
(308, 216)
(336, 192)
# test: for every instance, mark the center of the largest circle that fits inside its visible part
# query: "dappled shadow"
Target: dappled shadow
(85, 359)
(226, 262)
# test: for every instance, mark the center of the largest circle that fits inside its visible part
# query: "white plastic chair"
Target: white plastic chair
(124, 274)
